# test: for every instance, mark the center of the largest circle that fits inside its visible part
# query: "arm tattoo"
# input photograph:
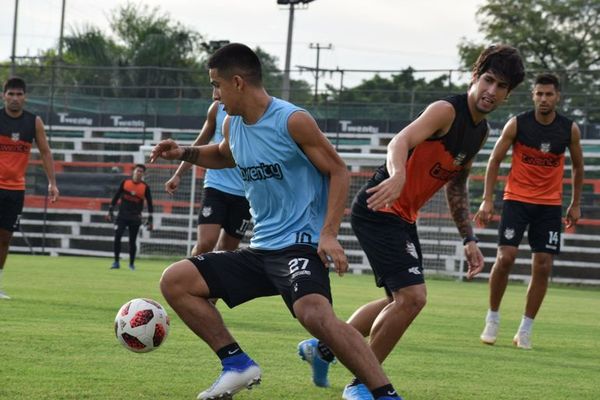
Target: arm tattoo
(458, 201)
(190, 154)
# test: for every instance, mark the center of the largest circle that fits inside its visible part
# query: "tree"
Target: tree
(394, 97)
(552, 35)
(151, 39)
(273, 78)
(147, 54)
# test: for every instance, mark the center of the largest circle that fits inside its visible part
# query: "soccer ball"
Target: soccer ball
(142, 325)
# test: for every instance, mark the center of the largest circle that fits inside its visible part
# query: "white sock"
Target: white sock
(526, 324)
(493, 316)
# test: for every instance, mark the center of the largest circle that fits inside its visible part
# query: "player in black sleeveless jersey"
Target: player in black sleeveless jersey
(532, 200)
(18, 129)
(434, 150)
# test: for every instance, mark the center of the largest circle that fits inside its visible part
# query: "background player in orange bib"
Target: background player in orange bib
(131, 193)
(532, 198)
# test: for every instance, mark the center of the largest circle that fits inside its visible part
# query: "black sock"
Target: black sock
(387, 390)
(232, 349)
(355, 382)
(325, 352)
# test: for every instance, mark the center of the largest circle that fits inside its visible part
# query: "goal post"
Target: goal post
(174, 215)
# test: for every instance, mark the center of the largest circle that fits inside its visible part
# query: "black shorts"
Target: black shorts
(11, 207)
(121, 223)
(545, 224)
(245, 274)
(391, 245)
(230, 211)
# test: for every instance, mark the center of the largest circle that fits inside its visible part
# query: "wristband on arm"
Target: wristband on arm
(470, 238)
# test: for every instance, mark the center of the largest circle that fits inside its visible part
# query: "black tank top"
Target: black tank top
(434, 162)
(538, 160)
(16, 138)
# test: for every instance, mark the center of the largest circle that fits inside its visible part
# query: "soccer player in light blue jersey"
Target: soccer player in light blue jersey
(297, 187)
(224, 215)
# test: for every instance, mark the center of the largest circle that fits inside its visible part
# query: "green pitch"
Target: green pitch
(57, 341)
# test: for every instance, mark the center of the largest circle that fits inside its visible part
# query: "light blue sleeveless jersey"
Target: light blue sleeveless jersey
(226, 180)
(287, 193)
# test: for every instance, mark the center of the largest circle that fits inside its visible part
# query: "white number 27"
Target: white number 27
(297, 263)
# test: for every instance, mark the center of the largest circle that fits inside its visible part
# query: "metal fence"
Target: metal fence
(169, 97)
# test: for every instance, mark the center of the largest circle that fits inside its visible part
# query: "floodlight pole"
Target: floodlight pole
(14, 40)
(285, 89)
(62, 27)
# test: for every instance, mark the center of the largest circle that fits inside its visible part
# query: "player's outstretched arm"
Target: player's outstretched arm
(574, 209)
(305, 131)
(434, 121)
(486, 210)
(214, 156)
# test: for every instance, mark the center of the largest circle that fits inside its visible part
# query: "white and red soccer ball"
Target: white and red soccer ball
(142, 325)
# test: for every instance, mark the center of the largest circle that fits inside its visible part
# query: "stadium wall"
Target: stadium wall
(92, 161)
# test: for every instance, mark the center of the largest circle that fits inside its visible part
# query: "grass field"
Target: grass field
(57, 341)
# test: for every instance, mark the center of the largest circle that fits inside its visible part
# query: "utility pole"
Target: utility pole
(285, 87)
(318, 47)
(14, 40)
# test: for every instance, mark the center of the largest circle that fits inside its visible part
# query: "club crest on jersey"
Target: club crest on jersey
(206, 211)
(509, 233)
(411, 249)
(15, 136)
(460, 158)
(545, 147)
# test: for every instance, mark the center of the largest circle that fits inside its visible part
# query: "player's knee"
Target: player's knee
(171, 282)
(166, 283)
(504, 261)
(418, 302)
(307, 317)
(542, 268)
(313, 315)
(412, 302)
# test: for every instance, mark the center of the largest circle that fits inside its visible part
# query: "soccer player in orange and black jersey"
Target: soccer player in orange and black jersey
(18, 130)
(532, 198)
(434, 150)
(132, 193)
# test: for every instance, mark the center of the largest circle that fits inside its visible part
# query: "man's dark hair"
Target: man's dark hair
(237, 59)
(548, 79)
(142, 166)
(14, 82)
(502, 60)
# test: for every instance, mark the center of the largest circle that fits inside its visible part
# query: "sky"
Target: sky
(373, 34)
